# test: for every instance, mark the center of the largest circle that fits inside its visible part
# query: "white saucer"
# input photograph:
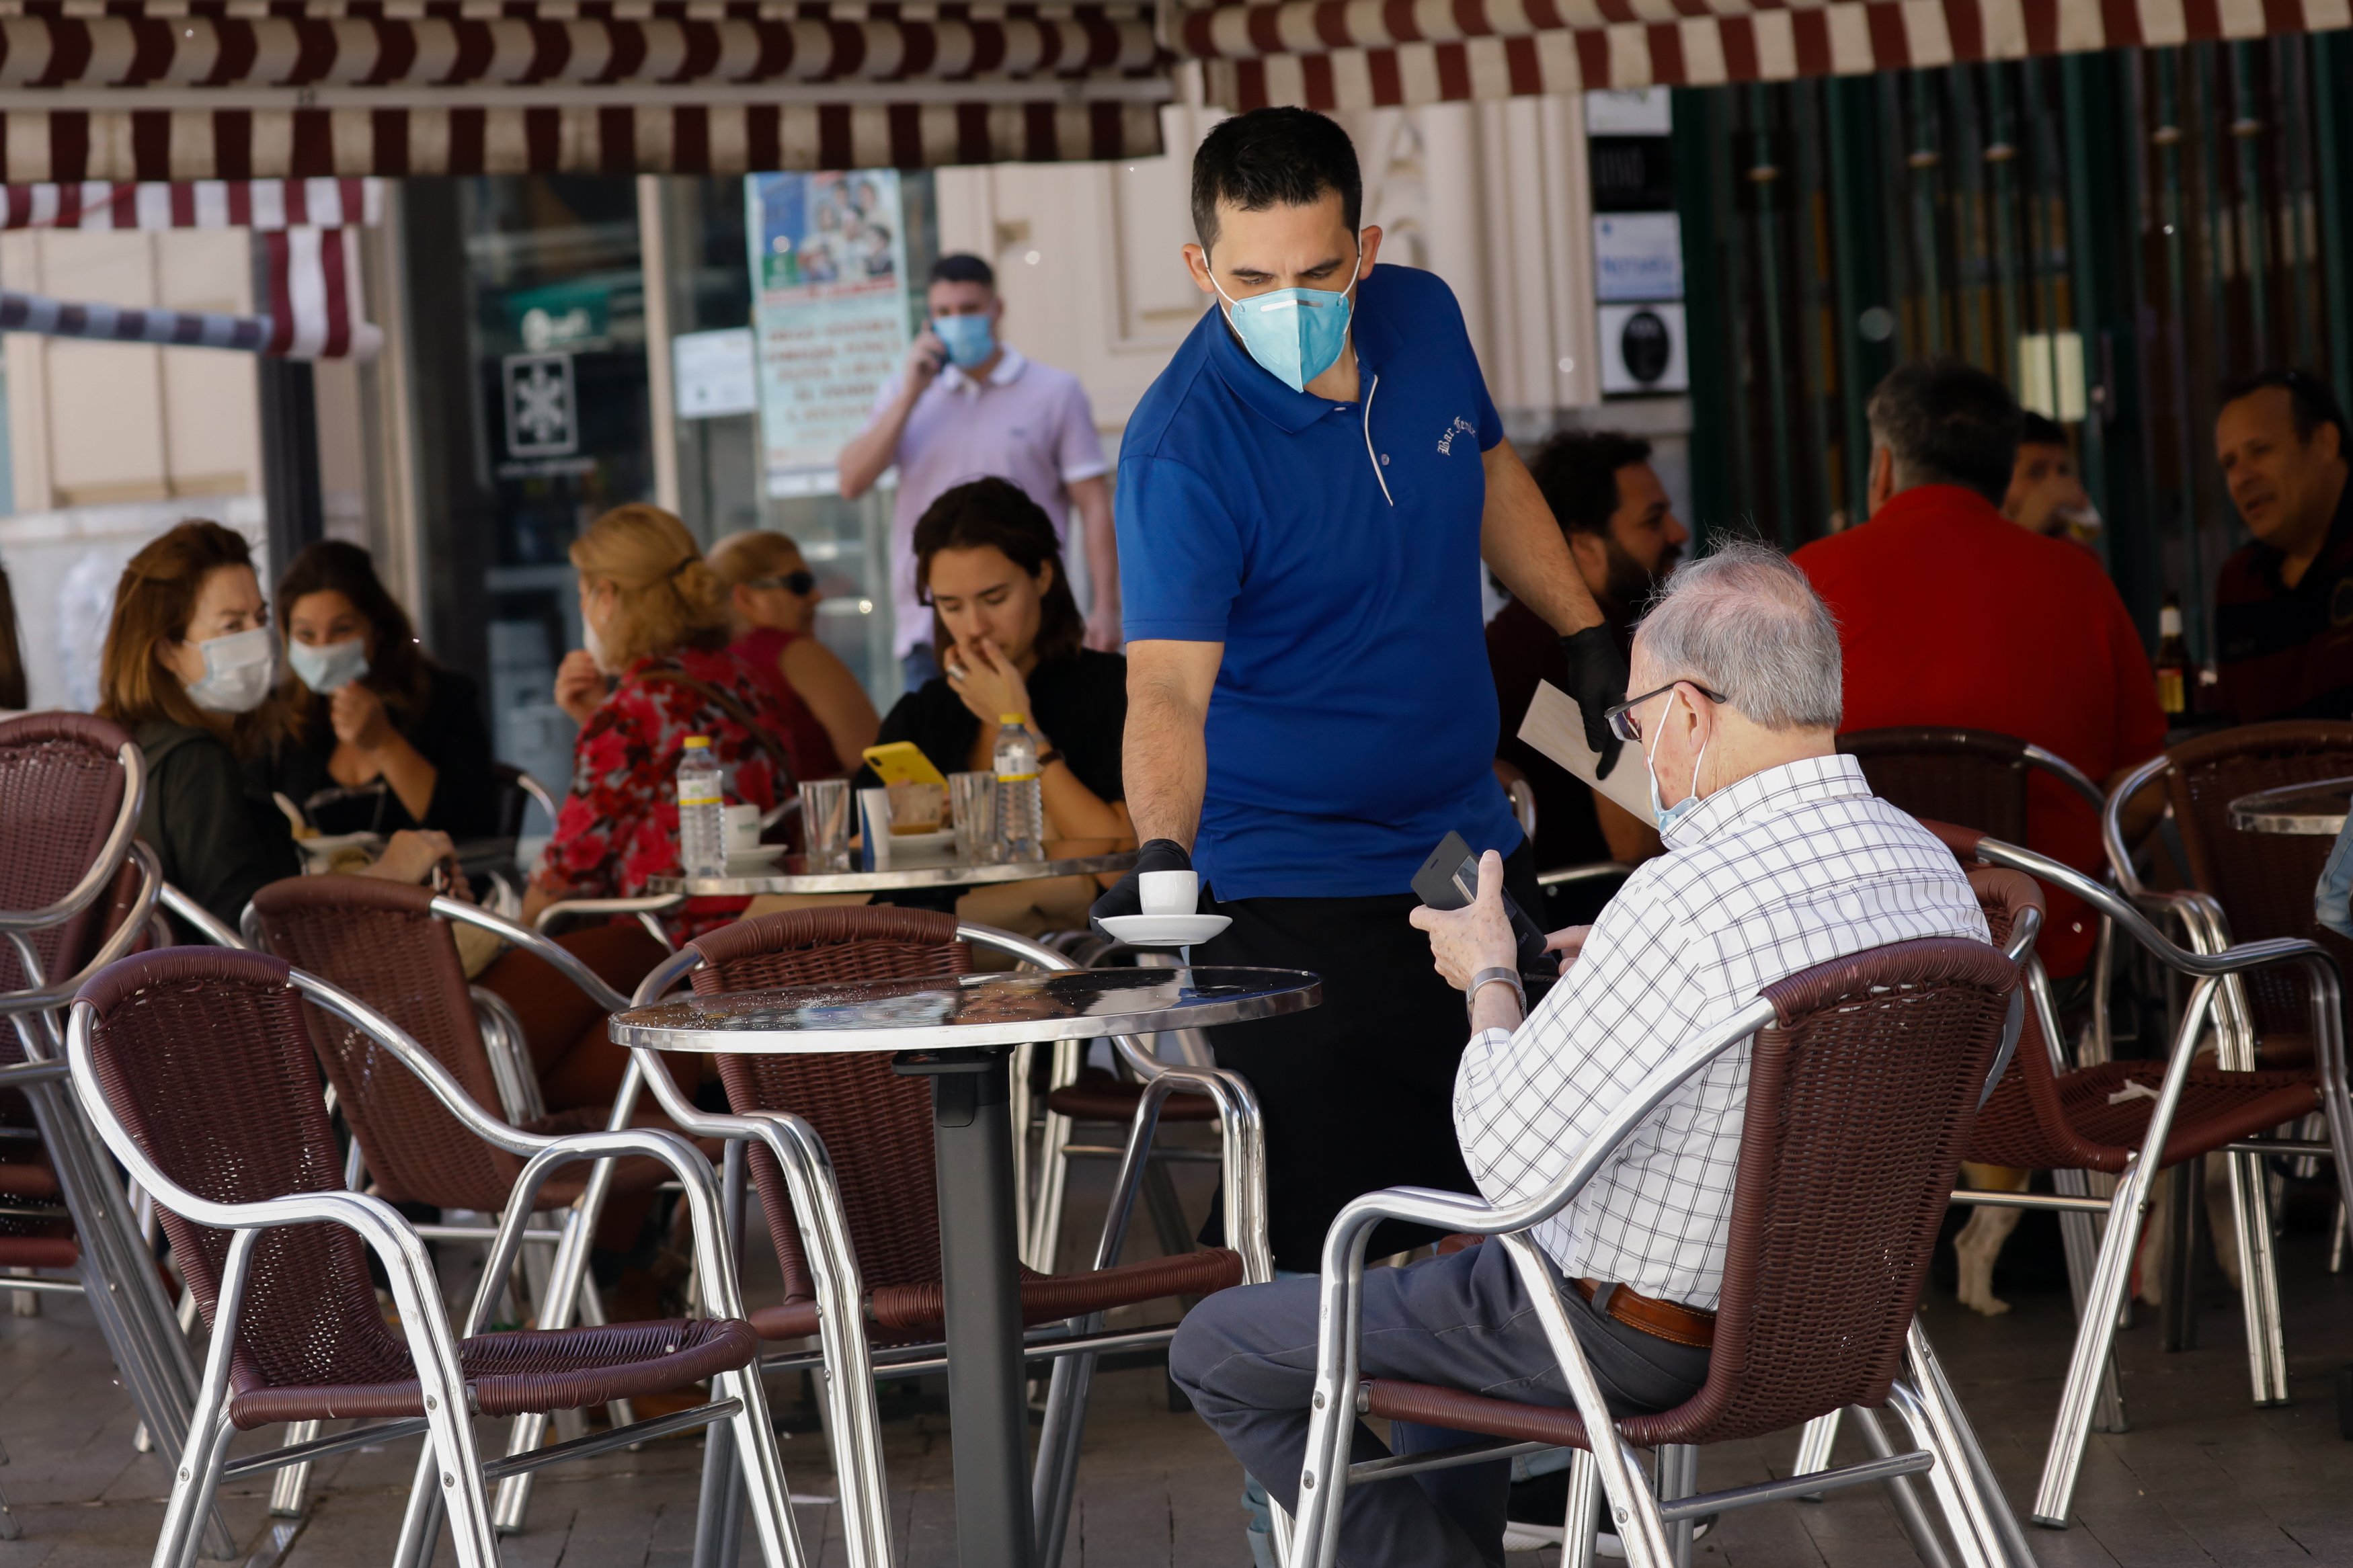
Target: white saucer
(940, 839)
(1166, 930)
(760, 857)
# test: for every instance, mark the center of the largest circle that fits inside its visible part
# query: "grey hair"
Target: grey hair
(1742, 621)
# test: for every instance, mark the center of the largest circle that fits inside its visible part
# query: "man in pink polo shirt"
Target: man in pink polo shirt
(968, 407)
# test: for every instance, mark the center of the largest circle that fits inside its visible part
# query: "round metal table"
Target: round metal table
(956, 1030)
(2314, 810)
(910, 868)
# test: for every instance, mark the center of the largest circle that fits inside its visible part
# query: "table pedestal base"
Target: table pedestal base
(972, 1139)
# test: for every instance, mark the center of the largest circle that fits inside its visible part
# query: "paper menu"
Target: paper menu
(1554, 725)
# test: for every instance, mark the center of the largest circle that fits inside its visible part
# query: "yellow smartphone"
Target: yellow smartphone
(903, 762)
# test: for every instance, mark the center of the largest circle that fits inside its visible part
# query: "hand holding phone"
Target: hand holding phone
(1448, 879)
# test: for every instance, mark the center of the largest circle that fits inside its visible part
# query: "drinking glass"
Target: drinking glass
(825, 823)
(972, 802)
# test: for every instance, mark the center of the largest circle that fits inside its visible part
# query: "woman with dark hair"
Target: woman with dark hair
(186, 670)
(377, 737)
(987, 563)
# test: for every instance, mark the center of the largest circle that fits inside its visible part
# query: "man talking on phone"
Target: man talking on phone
(1305, 498)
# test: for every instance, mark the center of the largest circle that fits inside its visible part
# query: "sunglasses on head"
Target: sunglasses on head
(1626, 727)
(802, 582)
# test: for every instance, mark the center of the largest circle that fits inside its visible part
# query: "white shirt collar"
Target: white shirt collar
(1010, 366)
(1768, 791)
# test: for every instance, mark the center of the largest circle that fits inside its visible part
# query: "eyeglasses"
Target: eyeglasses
(803, 582)
(1626, 727)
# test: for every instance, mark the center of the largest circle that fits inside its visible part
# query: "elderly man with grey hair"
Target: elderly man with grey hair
(1778, 857)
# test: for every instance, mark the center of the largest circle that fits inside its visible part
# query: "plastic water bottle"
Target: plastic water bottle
(701, 811)
(1020, 809)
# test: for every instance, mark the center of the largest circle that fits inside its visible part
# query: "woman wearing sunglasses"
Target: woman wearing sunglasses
(772, 599)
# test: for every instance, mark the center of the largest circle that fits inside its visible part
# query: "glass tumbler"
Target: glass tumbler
(972, 802)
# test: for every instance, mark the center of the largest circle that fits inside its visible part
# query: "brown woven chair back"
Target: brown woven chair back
(2023, 1125)
(202, 1054)
(381, 942)
(60, 791)
(1974, 777)
(2264, 880)
(1859, 1100)
(876, 1124)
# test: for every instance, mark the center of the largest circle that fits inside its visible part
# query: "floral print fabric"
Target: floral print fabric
(618, 826)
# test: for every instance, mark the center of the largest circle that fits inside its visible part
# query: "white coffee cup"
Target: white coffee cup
(743, 828)
(1170, 892)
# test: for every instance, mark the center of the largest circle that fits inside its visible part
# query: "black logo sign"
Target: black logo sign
(1645, 345)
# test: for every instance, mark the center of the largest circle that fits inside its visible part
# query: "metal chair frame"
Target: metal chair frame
(2214, 972)
(116, 1272)
(851, 1416)
(450, 1472)
(1653, 1523)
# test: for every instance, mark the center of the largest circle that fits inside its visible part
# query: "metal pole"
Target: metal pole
(2166, 137)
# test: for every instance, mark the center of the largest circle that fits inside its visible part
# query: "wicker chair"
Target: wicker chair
(2135, 1119)
(866, 1262)
(1835, 1215)
(196, 1065)
(80, 892)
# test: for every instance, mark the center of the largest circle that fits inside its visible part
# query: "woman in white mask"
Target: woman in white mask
(378, 737)
(187, 670)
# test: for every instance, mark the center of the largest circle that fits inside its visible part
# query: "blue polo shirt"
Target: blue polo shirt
(1334, 549)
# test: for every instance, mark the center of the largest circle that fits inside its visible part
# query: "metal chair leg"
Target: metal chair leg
(1814, 1446)
(2081, 1238)
(1677, 1468)
(2096, 1329)
(1954, 1489)
(1044, 1235)
(2258, 1279)
(11, 1529)
(286, 1488)
(1582, 1524)
(1900, 1495)
(1935, 1391)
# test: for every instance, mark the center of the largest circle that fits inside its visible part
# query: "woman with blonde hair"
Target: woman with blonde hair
(189, 655)
(772, 600)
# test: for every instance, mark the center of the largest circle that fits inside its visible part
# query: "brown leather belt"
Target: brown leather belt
(1669, 1320)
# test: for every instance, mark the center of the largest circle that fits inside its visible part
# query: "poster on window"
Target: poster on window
(829, 313)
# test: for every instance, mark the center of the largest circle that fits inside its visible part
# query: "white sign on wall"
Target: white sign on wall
(1630, 111)
(714, 373)
(542, 413)
(1642, 349)
(1638, 255)
(829, 292)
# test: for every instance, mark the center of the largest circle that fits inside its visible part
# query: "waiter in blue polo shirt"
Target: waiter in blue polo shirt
(1305, 496)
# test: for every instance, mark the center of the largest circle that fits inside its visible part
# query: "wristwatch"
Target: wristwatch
(1044, 758)
(1495, 975)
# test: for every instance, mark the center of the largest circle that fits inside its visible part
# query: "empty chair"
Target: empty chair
(197, 1065)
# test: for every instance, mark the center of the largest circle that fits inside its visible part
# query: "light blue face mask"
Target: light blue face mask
(2332, 900)
(970, 339)
(1666, 816)
(326, 667)
(1296, 334)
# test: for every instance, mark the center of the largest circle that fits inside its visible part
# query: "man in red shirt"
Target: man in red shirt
(1950, 614)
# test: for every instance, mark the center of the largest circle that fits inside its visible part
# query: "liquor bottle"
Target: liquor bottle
(2172, 659)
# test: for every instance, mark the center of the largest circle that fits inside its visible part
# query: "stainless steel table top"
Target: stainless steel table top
(950, 1011)
(910, 868)
(2314, 810)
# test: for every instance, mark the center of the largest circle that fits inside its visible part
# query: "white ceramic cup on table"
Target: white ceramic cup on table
(743, 828)
(1169, 892)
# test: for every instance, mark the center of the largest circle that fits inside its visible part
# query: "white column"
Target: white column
(661, 396)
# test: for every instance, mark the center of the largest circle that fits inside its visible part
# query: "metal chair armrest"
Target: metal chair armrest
(41, 997)
(646, 907)
(194, 915)
(2068, 773)
(510, 1052)
(2112, 822)
(536, 941)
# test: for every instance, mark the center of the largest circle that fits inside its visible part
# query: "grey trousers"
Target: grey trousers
(1246, 1359)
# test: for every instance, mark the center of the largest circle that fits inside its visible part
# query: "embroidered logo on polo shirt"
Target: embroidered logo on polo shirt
(1460, 428)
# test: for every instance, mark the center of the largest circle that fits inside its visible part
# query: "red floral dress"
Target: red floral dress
(618, 827)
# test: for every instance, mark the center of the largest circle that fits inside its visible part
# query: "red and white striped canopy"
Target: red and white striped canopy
(188, 89)
(1361, 54)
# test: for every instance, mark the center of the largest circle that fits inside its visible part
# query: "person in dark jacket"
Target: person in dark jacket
(189, 655)
(376, 736)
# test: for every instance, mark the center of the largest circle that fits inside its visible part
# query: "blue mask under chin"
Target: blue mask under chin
(1294, 334)
(970, 339)
(1666, 816)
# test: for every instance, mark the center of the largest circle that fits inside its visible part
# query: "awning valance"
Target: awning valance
(1360, 54)
(318, 88)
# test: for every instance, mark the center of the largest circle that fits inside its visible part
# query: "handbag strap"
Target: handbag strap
(733, 708)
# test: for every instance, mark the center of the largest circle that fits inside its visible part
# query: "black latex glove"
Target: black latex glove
(1597, 678)
(1125, 897)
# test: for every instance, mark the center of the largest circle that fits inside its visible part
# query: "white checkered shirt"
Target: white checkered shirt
(1787, 867)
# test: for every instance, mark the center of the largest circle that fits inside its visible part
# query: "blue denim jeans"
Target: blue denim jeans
(1246, 1357)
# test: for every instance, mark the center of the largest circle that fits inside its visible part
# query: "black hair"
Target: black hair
(1284, 156)
(997, 514)
(2311, 402)
(1948, 424)
(1578, 472)
(2039, 430)
(961, 266)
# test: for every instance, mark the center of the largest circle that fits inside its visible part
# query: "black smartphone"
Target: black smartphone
(1448, 879)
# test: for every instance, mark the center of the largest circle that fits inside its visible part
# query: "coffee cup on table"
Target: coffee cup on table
(743, 828)
(1169, 892)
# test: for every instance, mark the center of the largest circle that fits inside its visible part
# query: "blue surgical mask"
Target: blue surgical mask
(1296, 334)
(328, 666)
(1666, 816)
(2332, 900)
(239, 672)
(970, 339)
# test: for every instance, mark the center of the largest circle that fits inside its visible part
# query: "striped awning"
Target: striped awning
(308, 269)
(190, 90)
(1361, 54)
